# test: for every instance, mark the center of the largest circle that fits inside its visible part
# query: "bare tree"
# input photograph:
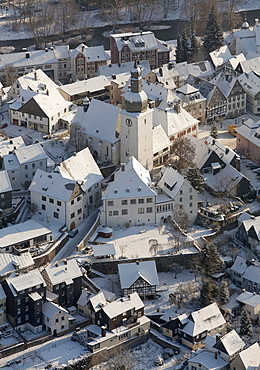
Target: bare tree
(225, 187)
(180, 217)
(111, 10)
(142, 12)
(122, 249)
(65, 17)
(154, 246)
(9, 75)
(176, 268)
(233, 17)
(183, 153)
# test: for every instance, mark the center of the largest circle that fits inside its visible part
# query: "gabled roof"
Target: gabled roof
(10, 262)
(115, 69)
(133, 182)
(236, 60)
(250, 130)
(63, 272)
(252, 274)
(2, 293)
(122, 305)
(205, 319)
(136, 41)
(130, 272)
(97, 301)
(160, 139)
(208, 361)
(81, 168)
(5, 184)
(230, 343)
(250, 82)
(30, 153)
(92, 54)
(187, 89)
(7, 146)
(101, 250)
(225, 83)
(220, 56)
(37, 81)
(90, 85)
(50, 309)
(36, 57)
(251, 299)
(239, 265)
(30, 279)
(53, 185)
(84, 297)
(99, 121)
(250, 357)
(171, 182)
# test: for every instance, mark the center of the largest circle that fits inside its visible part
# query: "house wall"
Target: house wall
(248, 148)
(2, 311)
(237, 364)
(28, 170)
(113, 211)
(58, 323)
(14, 177)
(6, 201)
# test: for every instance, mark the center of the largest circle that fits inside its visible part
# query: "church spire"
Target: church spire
(136, 99)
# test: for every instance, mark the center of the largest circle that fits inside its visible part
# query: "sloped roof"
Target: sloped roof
(99, 121)
(24, 281)
(173, 179)
(236, 60)
(187, 89)
(7, 146)
(220, 56)
(208, 361)
(160, 139)
(251, 299)
(130, 272)
(250, 130)
(252, 273)
(84, 297)
(121, 305)
(30, 153)
(136, 40)
(9, 262)
(250, 82)
(63, 271)
(115, 69)
(134, 182)
(225, 83)
(90, 85)
(230, 343)
(101, 250)
(82, 168)
(53, 185)
(5, 184)
(36, 81)
(36, 57)
(49, 309)
(250, 357)
(92, 53)
(251, 65)
(239, 265)
(97, 301)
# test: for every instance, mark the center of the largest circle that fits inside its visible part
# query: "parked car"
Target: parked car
(4, 125)
(73, 232)
(232, 130)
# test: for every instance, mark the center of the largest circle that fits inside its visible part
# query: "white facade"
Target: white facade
(55, 319)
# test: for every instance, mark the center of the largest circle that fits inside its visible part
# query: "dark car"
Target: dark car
(4, 125)
(73, 232)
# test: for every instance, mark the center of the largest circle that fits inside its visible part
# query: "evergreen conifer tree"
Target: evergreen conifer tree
(214, 130)
(179, 50)
(194, 44)
(211, 263)
(208, 293)
(195, 178)
(224, 292)
(185, 46)
(245, 324)
(213, 34)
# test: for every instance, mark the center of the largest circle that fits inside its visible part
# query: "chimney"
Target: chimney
(137, 262)
(216, 355)
(218, 336)
(27, 55)
(243, 121)
(122, 167)
(85, 104)
(47, 92)
(103, 331)
(11, 141)
(160, 71)
(170, 318)
(256, 22)
(82, 49)
(65, 262)
(74, 153)
(35, 75)
(46, 49)
(177, 107)
(56, 264)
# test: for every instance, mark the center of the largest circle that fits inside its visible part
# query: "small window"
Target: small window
(115, 213)
(140, 201)
(133, 201)
(110, 203)
(72, 202)
(58, 203)
(51, 200)
(43, 207)
(124, 202)
(124, 212)
(72, 215)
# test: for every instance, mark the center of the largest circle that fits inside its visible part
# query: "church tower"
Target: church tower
(137, 124)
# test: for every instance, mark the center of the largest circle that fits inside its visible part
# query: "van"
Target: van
(232, 129)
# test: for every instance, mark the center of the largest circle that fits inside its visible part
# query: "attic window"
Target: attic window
(139, 189)
(128, 190)
(115, 191)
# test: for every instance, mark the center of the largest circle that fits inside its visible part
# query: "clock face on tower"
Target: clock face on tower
(128, 121)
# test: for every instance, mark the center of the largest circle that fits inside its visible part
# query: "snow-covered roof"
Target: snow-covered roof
(17, 233)
(250, 130)
(252, 64)
(122, 305)
(90, 85)
(2, 293)
(250, 357)
(130, 272)
(5, 184)
(101, 250)
(251, 299)
(230, 343)
(187, 89)
(82, 168)
(36, 80)
(63, 272)
(225, 83)
(136, 41)
(202, 69)
(252, 274)
(99, 121)
(236, 60)
(220, 56)
(173, 122)
(224, 152)
(160, 139)
(171, 182)
(92, 53)
(123, 68)
(205, 319)
(30, 153)
(239, 265)
(50, 309)
(250, 82)
(84, 297)
(24, 281)
(10, 262)
(10, 162)
(53, 185)
(97, 301)
(208, 361)
(35, 58)
(133, 182)
(9, 145)
(244, 217)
